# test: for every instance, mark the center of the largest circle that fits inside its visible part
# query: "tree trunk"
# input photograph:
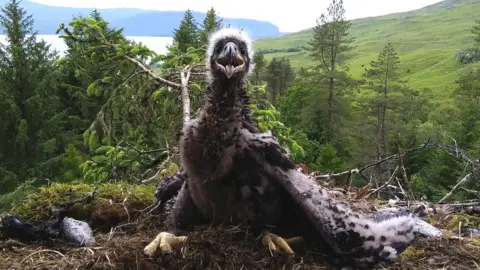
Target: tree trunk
(384, 133)
(330, 109)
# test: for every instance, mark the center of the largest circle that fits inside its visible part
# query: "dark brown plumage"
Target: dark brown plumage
(231, 173)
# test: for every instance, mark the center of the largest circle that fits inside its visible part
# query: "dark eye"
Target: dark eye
(243, 51)
(218, 49)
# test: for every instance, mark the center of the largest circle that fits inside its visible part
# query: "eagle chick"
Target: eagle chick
(232, 173)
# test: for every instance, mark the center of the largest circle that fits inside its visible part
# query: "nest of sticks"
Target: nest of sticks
(224, 247)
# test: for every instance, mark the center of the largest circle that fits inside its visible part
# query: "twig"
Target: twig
(156, 78)
(466, 204)
(460, 183)
(423, 146)
(473, 192)
(155, 176)
(359, 171)
(336, 175)
(402, 190)
(10, 243)
(410, 194)
(40, 251)
(382, 186)
(449, 207)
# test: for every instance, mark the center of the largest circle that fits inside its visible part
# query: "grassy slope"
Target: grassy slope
(426, 41)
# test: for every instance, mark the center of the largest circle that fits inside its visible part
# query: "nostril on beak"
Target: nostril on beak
(230, 51)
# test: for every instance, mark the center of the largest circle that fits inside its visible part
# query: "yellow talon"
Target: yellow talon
(272, 241)
(293, 239)
(165, 241)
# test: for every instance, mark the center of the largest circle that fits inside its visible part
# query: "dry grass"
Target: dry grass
(220, 248)
(212, 248)
(206, 248)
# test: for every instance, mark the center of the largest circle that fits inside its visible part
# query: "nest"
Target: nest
(224, 247)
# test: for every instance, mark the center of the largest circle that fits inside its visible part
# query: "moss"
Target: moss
(433, 220)
(412, 253)
(476, 241)
(467, 220)
(113, 203)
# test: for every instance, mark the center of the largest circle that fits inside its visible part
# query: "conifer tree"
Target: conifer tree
(211, 23)
(187, 34)
(476, 33)
(279, 76)
(384, 76)
(327, 47)
(260, 64)
(31, 116)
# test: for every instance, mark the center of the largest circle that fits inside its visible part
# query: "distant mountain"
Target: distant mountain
(425, 39)
(135, 22)
(162, 23)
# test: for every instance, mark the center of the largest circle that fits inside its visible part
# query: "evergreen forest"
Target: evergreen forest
(108, 113)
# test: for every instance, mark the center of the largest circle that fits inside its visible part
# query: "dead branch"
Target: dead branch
(465, 180)
(472, 165)
(359, 171)
(336, 175)
(410, 194)
(154, 177)
(384, 185)
(467, 203)
(185, 77)
(420, 147)
(464, 204)
(473, 192)
(150, 73)
(183, 86)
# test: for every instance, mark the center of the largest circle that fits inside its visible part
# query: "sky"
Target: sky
(289, 16)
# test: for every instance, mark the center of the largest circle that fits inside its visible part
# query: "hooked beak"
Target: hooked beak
(229, 61)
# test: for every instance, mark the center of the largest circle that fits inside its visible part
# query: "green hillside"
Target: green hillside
(425, 39)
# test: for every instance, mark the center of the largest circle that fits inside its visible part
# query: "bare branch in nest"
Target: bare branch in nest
(382, 186)
(359, 171)
(155, 176)
(426, 145)
(327, 177)
(469, 163)
(185, 77)
(152, 75)
(474, 192)
(183, 86)
(465, 180)
(410, 194)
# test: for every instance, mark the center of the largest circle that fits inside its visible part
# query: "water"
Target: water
(156, 44)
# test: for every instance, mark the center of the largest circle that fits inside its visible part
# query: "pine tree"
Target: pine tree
(476, 33)
(32, 129)
(279, 76)
(211, 23)
(384, 76)
(187, 34)
(260, 64)
(327, 47)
